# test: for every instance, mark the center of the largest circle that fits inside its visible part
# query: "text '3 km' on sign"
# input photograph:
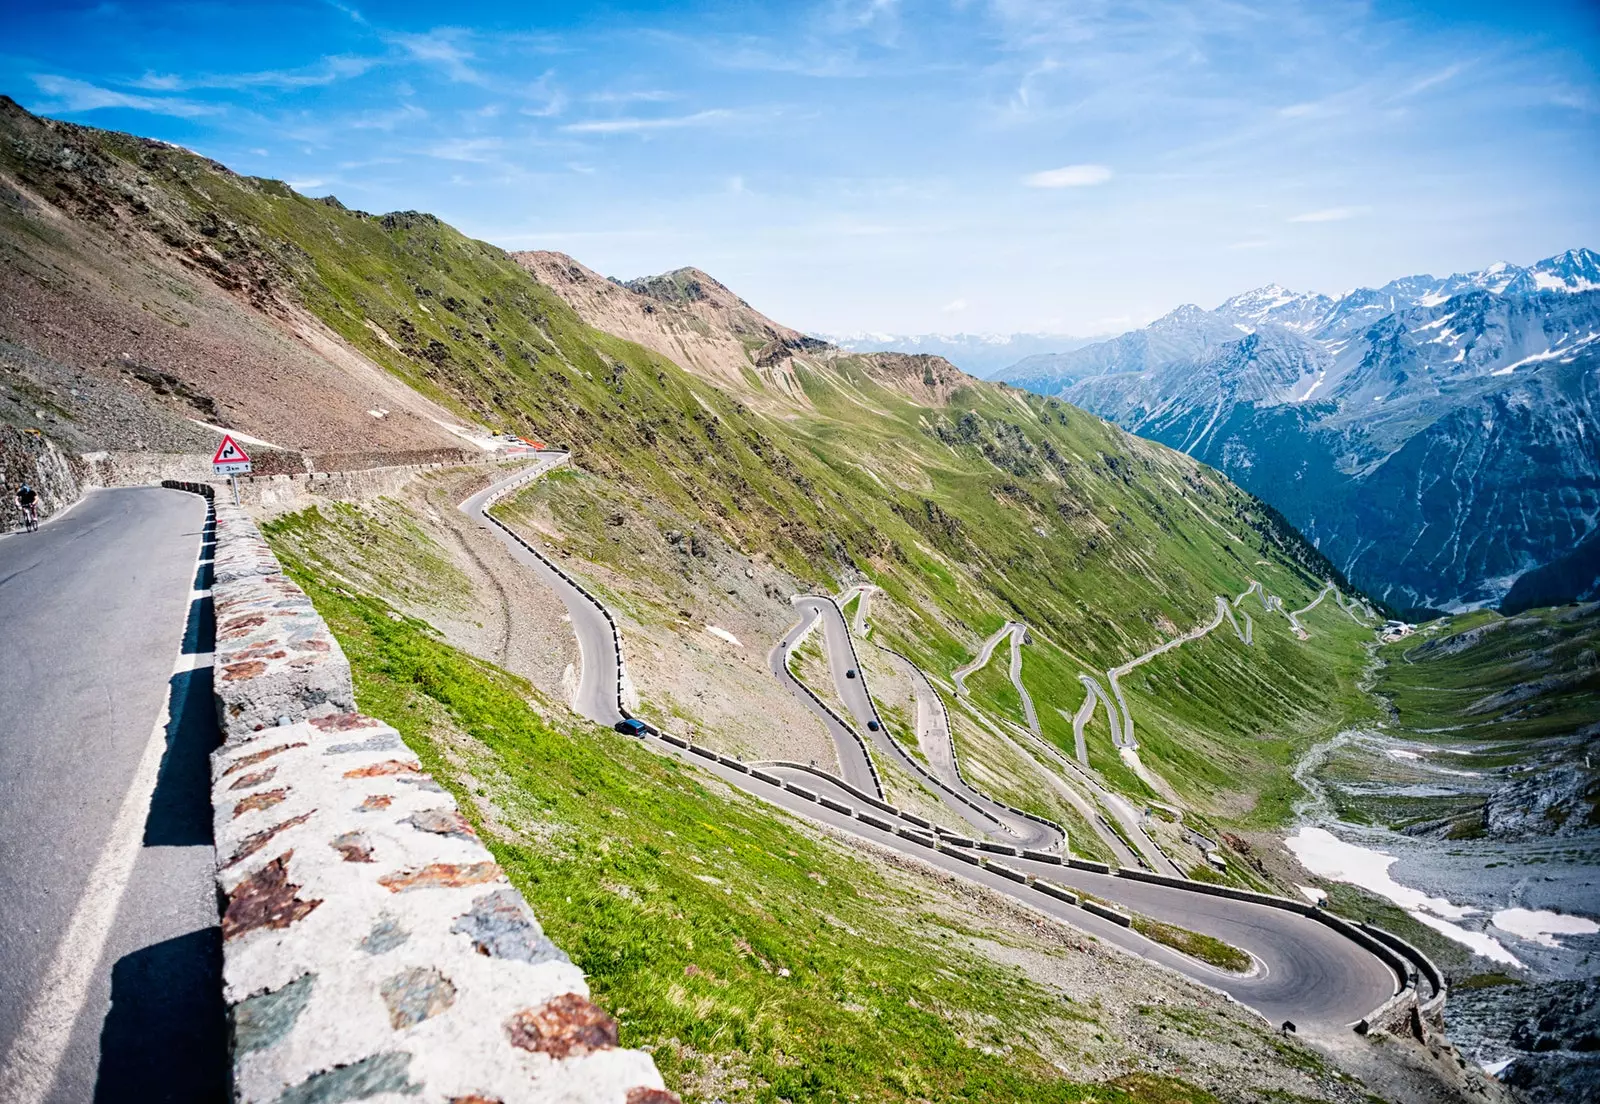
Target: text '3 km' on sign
(230, 458)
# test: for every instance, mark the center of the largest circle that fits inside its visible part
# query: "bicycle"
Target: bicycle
(30, 517)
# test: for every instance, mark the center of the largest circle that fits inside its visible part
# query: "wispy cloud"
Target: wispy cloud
(650, 95)
(955, 306)
(354, 14)
(638, 125)
(1330, 214)
(548, 99)
(1423, 83)
(482, 151)
(444, 48)
(386, 118)
(75, 95)
(326, 71)
(1069, 176)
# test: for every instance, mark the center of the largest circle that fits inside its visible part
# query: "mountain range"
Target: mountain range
(979, 354)
(1435, 437)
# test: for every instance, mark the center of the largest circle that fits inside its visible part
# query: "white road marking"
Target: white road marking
(31, 1067)
(34, 1062)
(194, 661)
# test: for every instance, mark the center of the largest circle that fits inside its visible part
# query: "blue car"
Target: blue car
(632, 726)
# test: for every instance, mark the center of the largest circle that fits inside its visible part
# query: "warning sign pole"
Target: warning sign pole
(232, 461)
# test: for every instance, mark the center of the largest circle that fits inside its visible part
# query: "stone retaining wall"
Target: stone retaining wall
(372, 947)
(268, 495)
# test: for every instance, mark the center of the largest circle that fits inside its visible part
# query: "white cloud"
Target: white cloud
(324, 72)
(636, 125)
(76, 95)
(482, 151)
(386, 119)
(1330, 214)
(955, 306)
(647, 96)
(1422, 84)
(440, 48)
(1069, 176)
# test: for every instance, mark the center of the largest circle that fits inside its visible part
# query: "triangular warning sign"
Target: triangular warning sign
(229, 452)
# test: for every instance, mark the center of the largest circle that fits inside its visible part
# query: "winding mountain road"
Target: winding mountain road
(1303, 970)
(938, 743)
(981, 660)
(855, 765)
(1125, 739)
(599, 675)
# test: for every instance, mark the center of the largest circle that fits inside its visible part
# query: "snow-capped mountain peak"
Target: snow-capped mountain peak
(1346, 413)
(1277, 305)
(1572, 271)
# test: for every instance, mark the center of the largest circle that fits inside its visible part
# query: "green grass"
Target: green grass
(1224, 724)
(759, 962)
(1207, 948)
(990, 687)
(1485, 676)
(1491, 980)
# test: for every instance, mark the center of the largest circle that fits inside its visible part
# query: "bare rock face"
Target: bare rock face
(1552, 1029)
(32, 458)
(1550, 802)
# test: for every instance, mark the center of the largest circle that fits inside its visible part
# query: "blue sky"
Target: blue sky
(848, 165)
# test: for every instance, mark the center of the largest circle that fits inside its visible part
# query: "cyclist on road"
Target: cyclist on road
(28, 503)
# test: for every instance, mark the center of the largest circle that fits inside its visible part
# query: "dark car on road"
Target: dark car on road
(850, 673)
(632, 726)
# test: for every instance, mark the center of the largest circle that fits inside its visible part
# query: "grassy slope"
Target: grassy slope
(1481, 675)
(995, 504)
(1225, 723)
(760, 962)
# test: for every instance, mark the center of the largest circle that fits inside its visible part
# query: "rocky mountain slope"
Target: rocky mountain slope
(1432, 436)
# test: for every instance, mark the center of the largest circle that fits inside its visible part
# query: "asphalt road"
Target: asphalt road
(598, 674)
(854, 766)
(96, 606)
(1303, 970)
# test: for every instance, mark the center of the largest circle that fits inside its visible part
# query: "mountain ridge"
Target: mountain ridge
(1338, 388)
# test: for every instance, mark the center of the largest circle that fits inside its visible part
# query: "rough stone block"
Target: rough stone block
(375, 945)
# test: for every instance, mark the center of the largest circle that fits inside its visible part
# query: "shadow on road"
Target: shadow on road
(166, 1037)
(180, 808)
